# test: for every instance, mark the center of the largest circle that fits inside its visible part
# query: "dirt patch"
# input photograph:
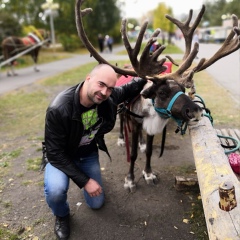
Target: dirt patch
(154, 211)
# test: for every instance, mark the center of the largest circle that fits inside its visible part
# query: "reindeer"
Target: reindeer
(13, 45)
(164, 96)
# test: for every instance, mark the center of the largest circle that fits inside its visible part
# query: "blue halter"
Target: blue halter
(166, 112)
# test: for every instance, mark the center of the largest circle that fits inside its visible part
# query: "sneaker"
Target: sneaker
(62, 228)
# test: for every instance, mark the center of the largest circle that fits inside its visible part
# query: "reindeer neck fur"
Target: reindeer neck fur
(152, 122)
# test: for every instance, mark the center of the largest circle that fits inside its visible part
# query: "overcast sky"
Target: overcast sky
(137, 8)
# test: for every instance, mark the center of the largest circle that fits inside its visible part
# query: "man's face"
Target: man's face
(100, 86)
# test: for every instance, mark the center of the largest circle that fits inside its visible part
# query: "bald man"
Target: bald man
(75, 125)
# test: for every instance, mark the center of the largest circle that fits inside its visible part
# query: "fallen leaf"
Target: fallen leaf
(185, 220)
(28, 229)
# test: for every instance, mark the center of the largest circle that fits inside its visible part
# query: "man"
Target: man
(75, 124)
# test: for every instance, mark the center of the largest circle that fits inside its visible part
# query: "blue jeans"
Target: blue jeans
(56, 184)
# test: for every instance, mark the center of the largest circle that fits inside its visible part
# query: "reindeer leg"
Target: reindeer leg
(148, 175)
(129, 179)
(121, 141)
(142, 144)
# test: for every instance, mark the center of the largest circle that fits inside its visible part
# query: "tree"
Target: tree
(9, 26)
(160, 21)
(105, 18)
(233, 7)
(26, 11)
(214, 11)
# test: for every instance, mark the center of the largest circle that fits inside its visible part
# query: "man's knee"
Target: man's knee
(96, 202)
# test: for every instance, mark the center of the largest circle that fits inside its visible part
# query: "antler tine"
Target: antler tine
(186, 29)
(183, 74)
(81, 33)
(231, 44)
(147, 65)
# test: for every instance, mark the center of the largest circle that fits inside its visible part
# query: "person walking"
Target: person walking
(75, 124)
(110, 43)
(101, 42)
(195, 40)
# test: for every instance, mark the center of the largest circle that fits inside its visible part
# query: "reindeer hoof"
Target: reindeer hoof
(150, 177)
(142, 147)
(121, 142)
(129, 185)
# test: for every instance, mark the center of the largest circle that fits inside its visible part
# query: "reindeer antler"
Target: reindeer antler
(81, 32)
(230, 45)
(184, 73)
(148, 65)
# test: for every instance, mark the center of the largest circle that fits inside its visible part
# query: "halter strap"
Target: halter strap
(166, 112)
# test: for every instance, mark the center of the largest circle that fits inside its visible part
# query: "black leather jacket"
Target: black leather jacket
(64, 129)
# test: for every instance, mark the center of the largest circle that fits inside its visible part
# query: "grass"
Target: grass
(5, 159)
(45, 56)
(33, 164)
(169, 49)
(5, 234)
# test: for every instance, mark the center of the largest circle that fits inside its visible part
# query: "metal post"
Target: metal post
(52, 28)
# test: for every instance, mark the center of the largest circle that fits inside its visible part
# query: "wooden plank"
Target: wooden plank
(213, 168)
(186, 182)
(232, 133)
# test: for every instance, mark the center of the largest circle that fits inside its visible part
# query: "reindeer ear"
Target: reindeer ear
(149, 92)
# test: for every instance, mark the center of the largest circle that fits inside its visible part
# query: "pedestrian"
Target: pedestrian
(195, 40)
(108, 42)
(100, 42)
(75, 125)
(154, 47)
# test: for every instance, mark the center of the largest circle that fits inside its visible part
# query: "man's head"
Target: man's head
(98, 85)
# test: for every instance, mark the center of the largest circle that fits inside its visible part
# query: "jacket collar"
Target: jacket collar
(76, 115)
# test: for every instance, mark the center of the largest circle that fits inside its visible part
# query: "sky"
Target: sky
(137, 8)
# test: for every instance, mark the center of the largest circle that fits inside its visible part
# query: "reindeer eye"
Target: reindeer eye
(162, 93)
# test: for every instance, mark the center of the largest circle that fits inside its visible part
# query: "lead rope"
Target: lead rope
(234, 147)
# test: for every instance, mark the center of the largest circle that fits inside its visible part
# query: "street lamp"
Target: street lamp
(49, 6)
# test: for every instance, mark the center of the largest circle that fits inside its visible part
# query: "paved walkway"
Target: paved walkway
(225, 71)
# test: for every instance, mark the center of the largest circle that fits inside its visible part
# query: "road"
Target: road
(226, 71)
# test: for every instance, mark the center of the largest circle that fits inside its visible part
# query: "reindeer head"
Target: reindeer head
(151, 66)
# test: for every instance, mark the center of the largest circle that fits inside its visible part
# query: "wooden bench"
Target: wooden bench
(213, 169)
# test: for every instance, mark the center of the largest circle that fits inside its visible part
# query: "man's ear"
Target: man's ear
(88, 78)
(149, 92)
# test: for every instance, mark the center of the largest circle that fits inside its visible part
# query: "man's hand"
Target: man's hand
(93, 188)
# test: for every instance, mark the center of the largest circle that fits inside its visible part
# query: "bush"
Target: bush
(70, 43)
